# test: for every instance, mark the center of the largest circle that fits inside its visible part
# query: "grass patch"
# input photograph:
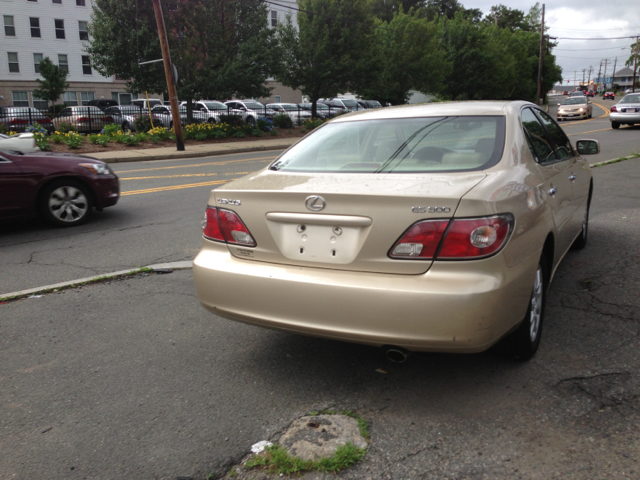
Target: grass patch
(101, 278)
(276, 460)
(617, 160)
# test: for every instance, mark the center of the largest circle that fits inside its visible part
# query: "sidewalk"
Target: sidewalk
(192, 151)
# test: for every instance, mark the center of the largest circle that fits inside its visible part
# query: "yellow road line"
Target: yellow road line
(184, 175)
(226, 162)
(173, 187)
(590, 131)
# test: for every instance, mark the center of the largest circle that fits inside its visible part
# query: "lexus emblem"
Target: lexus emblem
(315, 203)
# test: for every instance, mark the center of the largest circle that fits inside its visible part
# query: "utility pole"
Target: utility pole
(540, 58)
(583, 71)
(635, 65)
(168, 72)
(613, 75)
(589, 75)
(604, 80)
(599, 77)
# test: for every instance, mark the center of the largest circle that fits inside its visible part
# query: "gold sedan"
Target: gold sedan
(430, 227)
(574, 108)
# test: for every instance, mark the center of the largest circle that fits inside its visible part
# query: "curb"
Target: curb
(190, 154)
(613, 160)
(158, 267)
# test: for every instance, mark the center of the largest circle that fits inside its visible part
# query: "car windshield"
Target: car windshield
(575, 101)
(408, 145)
(215, 106)
(373, 103)
(350, 103)
(130, 110)
(254, 105)
(630, 99)
(290, 107)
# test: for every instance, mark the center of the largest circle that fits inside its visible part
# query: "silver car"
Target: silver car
(626, 111)
(251, 110)
(297, 114)
(211, 110)
(125, 116)
(163, 113)
(19, 119)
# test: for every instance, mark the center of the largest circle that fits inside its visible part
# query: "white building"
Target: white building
(34, 29)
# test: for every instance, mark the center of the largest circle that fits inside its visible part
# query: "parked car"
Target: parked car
(629, 90)
(324, 111)
(102, 104)
(24, 142)
(432, 227)
(370, 103)
(61, 187)
(142, 103)
(609, 96)
(626, 111)
(297, 114)
(351, 105)
(575, 107)
(565, 93)
(19, 119)
(163, 113)
(251, 110)
(125, 116)
(577, 93)
(84, 119)
(212, 109)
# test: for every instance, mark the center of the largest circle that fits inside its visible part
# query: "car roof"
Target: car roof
(436, 109)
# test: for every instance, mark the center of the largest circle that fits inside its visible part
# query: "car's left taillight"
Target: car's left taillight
(226, 226)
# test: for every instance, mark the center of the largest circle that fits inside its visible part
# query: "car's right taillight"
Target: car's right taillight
(456, 239)
(614, 109)
(226, 226)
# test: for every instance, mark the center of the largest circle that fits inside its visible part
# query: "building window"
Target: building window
(32, 0)
(58, 2)
(80, 3)
(86, 65)
(70, 99)
(84, 34)
(59, 23)
(14, 66)
(63, 63)
(86, 97)
(20, 99)
(274, 18)
(37, 58)
(9, 26)
(39, 103)
(278, 99)
(35, 27)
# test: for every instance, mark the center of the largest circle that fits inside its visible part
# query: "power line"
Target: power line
(591, 30)
(597, 38)
(590, 49)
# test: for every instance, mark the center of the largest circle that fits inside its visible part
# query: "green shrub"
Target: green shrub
(232, 120)
(158, 133)
(142, 123)
(93, 138)
(66, 127)
(264, 124)
(219, 134)
(312, 123)
(3, 129)
(282, 120)
(110, 130)
(273, 132)
(130, 140)
(73, 141)
(57, 138)
(256, 132)
(43, 143)
(102, 140)
(239, 134)
(140, 137)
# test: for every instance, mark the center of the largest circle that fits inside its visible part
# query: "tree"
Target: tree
(330, 51)
(505, 17)
(220, 48)
(409, 57)
(54, 81)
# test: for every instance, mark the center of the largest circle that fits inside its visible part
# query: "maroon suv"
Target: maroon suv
(63, 188)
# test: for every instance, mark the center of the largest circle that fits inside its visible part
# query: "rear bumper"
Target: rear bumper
(624, 118)
(460, 307)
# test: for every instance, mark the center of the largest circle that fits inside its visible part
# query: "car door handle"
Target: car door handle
(572, 177)
(553, 191)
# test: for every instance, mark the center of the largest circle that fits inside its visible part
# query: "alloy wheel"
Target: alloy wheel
(68, 204)
(536, 305)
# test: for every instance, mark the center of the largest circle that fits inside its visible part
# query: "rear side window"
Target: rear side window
(563, 145)
(537, 136)
(406, 145)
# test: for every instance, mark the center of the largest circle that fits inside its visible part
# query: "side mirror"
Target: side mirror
(588, 147)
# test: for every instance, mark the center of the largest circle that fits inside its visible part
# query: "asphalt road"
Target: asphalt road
(133, 379)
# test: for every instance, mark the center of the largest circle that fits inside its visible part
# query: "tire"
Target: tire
(581, 242)
(66, 203)
(615, 125)
(212, 121)
(251, 121)
(523, 343)
(170, 125)
(126, 127)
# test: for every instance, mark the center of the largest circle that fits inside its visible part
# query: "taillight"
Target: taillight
(83, 119)
(45, 120)
(475, 237)
(614, 109)
(17, 121)
(108, 119)
(225, 226)
(421, 240)
(464, 238)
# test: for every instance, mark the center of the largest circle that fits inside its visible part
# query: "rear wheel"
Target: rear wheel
(66, 203)
(251, 120)
(212, 121)
(126, 127)
(615, 125)
(523, 343)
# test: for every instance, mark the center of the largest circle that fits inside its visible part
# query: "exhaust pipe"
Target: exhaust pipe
(397, 354)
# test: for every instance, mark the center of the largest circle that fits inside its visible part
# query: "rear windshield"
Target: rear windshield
(631, 99)
(409, 145)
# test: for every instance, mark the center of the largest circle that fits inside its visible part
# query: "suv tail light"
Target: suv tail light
(458, 239)
(225, 226)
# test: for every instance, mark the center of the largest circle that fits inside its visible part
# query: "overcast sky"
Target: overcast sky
(583, 18)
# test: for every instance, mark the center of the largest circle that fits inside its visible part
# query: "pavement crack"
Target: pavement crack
(589, 377)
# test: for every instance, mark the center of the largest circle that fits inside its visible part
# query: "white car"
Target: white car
(297, 113)
(24, 142)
